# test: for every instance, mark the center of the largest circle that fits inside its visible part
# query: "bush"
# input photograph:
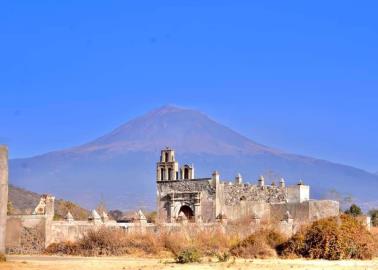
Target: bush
(107, 242)
(374, 217)
(211, 242)
(116, 242)
(63, 248)
(2, 258)
(331, 239)
(223, 257)
(354, 211)
(261, 244)
(190, 255)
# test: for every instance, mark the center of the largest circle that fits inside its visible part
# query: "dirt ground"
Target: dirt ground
(125, 263)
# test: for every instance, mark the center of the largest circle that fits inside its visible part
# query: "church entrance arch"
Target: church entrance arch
(187, 211)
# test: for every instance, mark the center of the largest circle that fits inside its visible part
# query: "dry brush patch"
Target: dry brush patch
(336, 238)
(261, 244)
(2, 258)
(116, 242)
(333, 238)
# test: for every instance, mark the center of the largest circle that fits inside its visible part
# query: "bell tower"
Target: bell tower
(167, 167)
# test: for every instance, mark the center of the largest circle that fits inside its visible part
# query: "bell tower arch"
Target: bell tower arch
(167, 167)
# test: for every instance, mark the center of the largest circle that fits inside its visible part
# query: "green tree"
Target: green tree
(374, 217)
(354, 210)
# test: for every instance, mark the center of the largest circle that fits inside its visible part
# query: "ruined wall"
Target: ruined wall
(306, 211)
(62, 231)
(247, 209)
(241, 200)
(323, 209)
(234, 193)
(3, 195)
(25, 234)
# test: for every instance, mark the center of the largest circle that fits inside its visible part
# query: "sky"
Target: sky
(300, 76)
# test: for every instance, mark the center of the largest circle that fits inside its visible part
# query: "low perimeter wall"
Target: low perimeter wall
(31, 234)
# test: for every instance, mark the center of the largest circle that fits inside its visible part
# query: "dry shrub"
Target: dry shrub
(2, 258)
(174, 242)
(212, 242)
(374, 232)
(223, 256)
(105, 241)
(208, 242)
(261, 244)
(62, 248)
(189, 255)
(334, 238)
(240, 228)
(116, 242)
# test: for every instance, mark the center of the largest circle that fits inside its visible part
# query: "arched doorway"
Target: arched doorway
(187, 211)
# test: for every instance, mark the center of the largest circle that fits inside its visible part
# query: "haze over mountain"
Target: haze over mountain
(119, 167)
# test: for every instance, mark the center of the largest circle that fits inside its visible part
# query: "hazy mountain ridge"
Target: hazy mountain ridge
(121, 165)
(24, 202)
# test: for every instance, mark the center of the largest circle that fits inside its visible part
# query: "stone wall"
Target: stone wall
(234, 193)
(25, 234)
(247, 209)
(62, 231)
(305, 212)
(3, 195)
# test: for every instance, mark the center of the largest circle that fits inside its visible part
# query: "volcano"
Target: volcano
(119, 167)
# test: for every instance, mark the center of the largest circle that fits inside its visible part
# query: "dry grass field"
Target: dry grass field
(128, 263)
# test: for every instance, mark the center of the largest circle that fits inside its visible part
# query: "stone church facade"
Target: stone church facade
(182, 196)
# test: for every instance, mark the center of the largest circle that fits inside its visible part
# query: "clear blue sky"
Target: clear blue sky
(296, 75)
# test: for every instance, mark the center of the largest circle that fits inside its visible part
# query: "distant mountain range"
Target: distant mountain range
(119, 167)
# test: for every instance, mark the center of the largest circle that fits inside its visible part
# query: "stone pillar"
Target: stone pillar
(95, 217)
(3, 195)
(215, 181)
(255, 223)
(286, 225)
(215, 177)
(238, 179)
(261, 181)
(140, 221)
(192, 176)
(171, 213)
(69, 217)
(49, 214)
(197, 213)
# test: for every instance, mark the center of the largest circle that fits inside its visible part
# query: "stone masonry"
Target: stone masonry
(3, 195)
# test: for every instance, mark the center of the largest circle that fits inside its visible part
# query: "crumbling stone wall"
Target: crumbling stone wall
(234, 193)
(62, 231)
(25, 234)
(3, 195)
